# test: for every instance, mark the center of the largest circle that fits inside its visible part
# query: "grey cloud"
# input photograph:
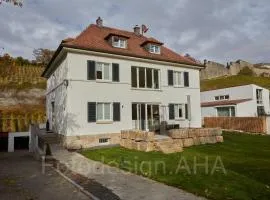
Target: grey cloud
(214, 29)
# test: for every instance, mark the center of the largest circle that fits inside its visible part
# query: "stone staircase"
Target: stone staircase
(166, 144)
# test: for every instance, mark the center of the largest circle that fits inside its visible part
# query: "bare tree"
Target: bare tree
(14, 2)
(43, 56)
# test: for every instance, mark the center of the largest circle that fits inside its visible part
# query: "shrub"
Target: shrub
(246, 71)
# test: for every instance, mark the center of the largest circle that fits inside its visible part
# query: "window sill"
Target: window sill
(103, 81)
(146, 89)
(180, 119)
(104, 122)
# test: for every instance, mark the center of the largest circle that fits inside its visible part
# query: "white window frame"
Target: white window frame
(230, 110)
(145, 78)
(153, 48)
(176, 75)
(103, 69)
(121, 43)
(176, 111)
(103, 112)
(222, 97)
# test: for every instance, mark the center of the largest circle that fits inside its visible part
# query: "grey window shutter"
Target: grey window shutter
(171, 111)
(186, 111)
(115, 72)
(170, 77)
(91, 70)
(91, 111)
(116, 112)
(186, 79)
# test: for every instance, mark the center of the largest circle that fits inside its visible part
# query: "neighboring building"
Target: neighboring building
(106, 80)
(241, 101)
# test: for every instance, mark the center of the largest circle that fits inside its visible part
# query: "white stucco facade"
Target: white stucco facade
(70, 91)
(246, 108)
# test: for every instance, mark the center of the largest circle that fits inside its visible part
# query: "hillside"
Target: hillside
(22, 94)
(231, 81)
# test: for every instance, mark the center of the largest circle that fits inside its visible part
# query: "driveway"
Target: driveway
(21, 178)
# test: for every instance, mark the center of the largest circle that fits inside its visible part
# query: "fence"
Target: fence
(247, 124)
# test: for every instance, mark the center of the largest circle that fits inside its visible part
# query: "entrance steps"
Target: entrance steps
(166, 144)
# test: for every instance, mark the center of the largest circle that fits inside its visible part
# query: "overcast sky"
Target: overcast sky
(220, 30)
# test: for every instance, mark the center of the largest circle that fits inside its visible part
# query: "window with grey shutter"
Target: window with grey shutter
(91, 70)
(91, 111)
(116, 111)
(186, 111)
(115, 72)
(171, 111)
(186, 79)
(170, 77)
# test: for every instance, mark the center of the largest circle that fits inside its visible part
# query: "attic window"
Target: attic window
(153, 48)
(119, 42)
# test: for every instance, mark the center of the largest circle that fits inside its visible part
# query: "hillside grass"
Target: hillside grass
(232, 81)
(245, 174)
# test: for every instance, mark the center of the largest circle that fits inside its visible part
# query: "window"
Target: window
(226, 111)
(103, 71)
(103, 140)
(222, 97)
(259, 96)
(104, 112)
(178, 78)
(154, 48)
(178, 111)
(119, 42)
(261, 111)
(144, 77)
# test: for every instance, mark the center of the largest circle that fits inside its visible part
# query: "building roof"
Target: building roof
(94, 38)
(223, 103)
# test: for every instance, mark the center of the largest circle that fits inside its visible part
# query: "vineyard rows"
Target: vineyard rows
(14, 121)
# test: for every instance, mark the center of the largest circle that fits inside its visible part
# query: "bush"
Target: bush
(246, 71)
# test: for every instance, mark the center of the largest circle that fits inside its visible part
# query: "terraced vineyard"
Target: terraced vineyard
(19, 118)
(15, 80)
(21, 77)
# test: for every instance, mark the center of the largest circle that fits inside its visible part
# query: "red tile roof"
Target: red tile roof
(223, 103)
(93, 38)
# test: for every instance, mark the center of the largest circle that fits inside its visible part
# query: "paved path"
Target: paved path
(21, 178)
(125, 185)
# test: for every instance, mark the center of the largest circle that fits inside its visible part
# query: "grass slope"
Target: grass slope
(232, 81)
(245, 158)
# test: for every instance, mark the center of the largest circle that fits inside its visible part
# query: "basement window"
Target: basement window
(103, 140)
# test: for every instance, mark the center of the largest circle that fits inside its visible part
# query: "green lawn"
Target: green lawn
(232, 81)
(246, 173)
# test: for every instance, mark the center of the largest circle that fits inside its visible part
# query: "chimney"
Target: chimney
(137, 30)
(99, 22)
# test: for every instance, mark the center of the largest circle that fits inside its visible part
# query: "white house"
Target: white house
(241, 101)
(106, 80)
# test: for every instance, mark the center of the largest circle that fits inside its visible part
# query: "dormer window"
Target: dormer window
(153, 48)
(119, 42)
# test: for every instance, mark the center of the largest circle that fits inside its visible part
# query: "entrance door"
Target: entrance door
(145, 116)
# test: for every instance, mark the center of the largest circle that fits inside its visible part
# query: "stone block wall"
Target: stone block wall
(196, 136)
(138, 140)
(88, 141)
(177, 138)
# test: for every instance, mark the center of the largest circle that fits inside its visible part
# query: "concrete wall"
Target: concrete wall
(11, 137)
(81, 91)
